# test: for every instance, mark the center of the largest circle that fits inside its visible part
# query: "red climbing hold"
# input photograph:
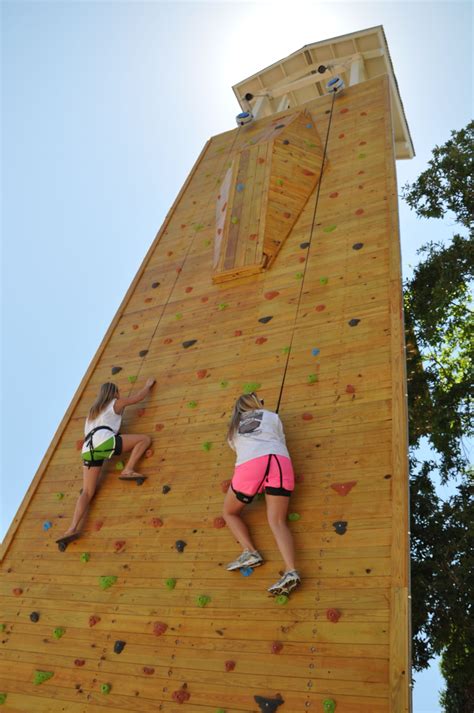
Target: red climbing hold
(253, 236)
(134, 326)
(363, 113)
(98, 525)
(159, 628)
(225, 484)
(350, 389)
(148, 670)
(167, 341)
(178, 269)
(219, 522)
(93, 620)
(79, 662)
(333, 615)
(341, 136)
(229, 665)
(344, 488)
(286, 214)
(307, 417)
(359, 211)
(157, 522)
(299, 478)
(204, 299)
(183, 225)
(17, 591)
(271, 295)
(238, 333)
(261, 340)
(307, 172)
(170, 252)
(261, 160)
(79, 444)
(181, 696)
(141, 412)
(201, 374)
(276, 647)
(362, 143)
(119, 545)
(333, 195)
(320, 308)
(302, 259)
(360, 173)
(159, 427)
(149, 453)
(148, 299)
(344, 111)
(188, 289)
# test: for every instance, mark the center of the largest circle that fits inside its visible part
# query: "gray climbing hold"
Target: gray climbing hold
(165, 489)
(143, 352)
(116, 369)
(268, 705)
(340, 526)
(303, 246)
(180, 545)
(353, 322)
(34, 616)
(155, 285)
(119, 646)
(265, 320)
(189, 343)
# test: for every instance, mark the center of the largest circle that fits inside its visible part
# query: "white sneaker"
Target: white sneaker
(286, 584)
(246, 559)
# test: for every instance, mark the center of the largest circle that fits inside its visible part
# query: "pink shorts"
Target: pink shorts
(272, 474)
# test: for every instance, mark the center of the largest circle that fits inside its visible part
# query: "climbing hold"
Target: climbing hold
(85, 557)
(320, 308)
(17, 591)
(225, 484)
(307, 172)
(141, 412)
(105, 688)
(148, 670)
(250, 387)
(155, 285)
(149, 453)
(350, 389)
(120, 465)
(157, 522)
(3, 698)
(323, 280)
(224, 384)
(344, 488)
(165, 489)
(178, 315)
(299, 275)
(3, 627)
(170, 583)
(279, 182)
(47, 525)
(182, 695)
(159, 628)
(281, 599)
(143, 353)
(202, 600)
(79, 662)
(340, 526)
(207, 445)
(359, 211)
(271, 294)
(353, 322)
(357, 246)
(159, 426)
(119, 545)
(132, 379)
(229, 665)
(180, 545)
(93, 620)
(42, 676)
(59, 496)
(333, 615)
(201, 373)
(334, 194)
(286, 142)
(276, 647)
(246, 571)
(98, 525)
(34, 616)
(315, 351)
(220, 710)
(294, 516)
(219, 522)
(116, 369)
(198, 227)
(167, 341)
(205, 299)
(192, 404)
(240, 187)
(329, 228)
(188, 290)
(134, 326)
(119, 646)
(268, 705)
(222, 306)
(189, 343)
(304, 245)
(238, 333)
(107, 582)
(362, 155)
(307, 416)
(286, 350)
(265, 320)
(261, 340)
(312, 378)
(329, 706)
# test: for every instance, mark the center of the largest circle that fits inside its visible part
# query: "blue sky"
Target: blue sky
(105, 108)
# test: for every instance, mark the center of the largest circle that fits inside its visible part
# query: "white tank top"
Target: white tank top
(259, 433)
(107, 417)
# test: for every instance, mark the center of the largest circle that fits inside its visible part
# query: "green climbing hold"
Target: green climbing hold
(106, 582)
(207, 243)
(57, 633)
(220, 710)
(120, 465)
(178, 315)
(293, 516)
(198, 227)
(224, 384)
(323, 280)
(362, 155)
(250, 387)
(192, 404)
(3, 698)
(329, 228)
(202, 600)
(42, 676)
(3, 627)
(279, 182)
(234, 220)
(170, 583)
(105, 688)
(286, 350)
(59, 496)
(223, 305)
(207, 445)
(85, 557)
(132, 379)
(329, 706)
(312, 378)
(299, 275)
(281, 599)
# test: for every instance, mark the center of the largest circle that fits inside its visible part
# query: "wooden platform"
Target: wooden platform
(345, 416)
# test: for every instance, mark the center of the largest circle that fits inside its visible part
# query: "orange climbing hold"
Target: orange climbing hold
(157, 522)
(149, 453)
(333, 615)
(17, 591)
(201, 374)
(238, 333)
(350, 389)
(93, 620)
(159, 628)
(359, 211)
(219, 522)
(271, 294)
(261, 340)
(344, 488)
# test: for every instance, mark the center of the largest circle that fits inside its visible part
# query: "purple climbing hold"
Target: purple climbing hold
(353, 322)
(143, 352)
(265, 320)
(189, 343)
(155, 285)
(303, 246)
(357, 246)
(116, 369)
(180, 545)
(119, 646)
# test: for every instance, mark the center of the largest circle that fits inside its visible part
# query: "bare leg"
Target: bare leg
(231, 513)
(277, 509)
(137, 444)
(90, 478)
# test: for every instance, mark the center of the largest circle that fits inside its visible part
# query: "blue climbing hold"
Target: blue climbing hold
(240, 187)
(315, 351)
(47, 525)
(246, 571)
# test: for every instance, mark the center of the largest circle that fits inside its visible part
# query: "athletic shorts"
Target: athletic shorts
(272, 474)
(111, 447)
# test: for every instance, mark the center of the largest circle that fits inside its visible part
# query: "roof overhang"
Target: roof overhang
(302, 76)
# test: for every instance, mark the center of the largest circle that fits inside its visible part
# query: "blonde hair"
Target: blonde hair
(108, 392)
(246, 402)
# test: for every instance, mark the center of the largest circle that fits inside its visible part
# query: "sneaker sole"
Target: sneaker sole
(283, 590)
(240, 566)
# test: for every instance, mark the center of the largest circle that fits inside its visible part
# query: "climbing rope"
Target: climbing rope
(309, 248)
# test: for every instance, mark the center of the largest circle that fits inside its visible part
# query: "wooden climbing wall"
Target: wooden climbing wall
(344, 636)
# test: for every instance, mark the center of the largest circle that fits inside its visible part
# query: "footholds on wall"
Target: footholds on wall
(353, 322)
(59, 496)
(276, 647)
(105, 688)
(307, 416)
(132, 379)
(157, 522)
(299, 275)
(143, 352)
(357, 246)
(246, 571)
(34, 616)
(329, 228)
(42, 676)
(106, 582)
(148, 670)
(312, 378)
(329, 705)
(340, 527)
(165, 489)
(282, 599)
(268, 705)
(93, 620)
(202, 600)
(159, 628)
(47, 525)
(315, 351)
(18, 591)
(85, 557)
(201, 373)
(229, 665)
(192, 404)
(265, 320)
(116, 369)
(271, 294)
(170, 583)
(119, 545)
(79, 662)
(333, 615)
(119, 646)
(293, 516)
(323, 280)
(182, 695)
(207, 445)
(189, 343)
(344, 488)
(219, 522)
(3, 698)
(180, 545)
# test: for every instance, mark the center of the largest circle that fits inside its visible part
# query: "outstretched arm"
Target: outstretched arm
(121, 403)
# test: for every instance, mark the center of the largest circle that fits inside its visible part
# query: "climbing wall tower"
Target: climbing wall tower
(277, 269)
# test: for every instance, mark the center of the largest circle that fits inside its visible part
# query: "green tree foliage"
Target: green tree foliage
(439, 331)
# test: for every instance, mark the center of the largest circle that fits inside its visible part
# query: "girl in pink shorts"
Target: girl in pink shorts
(263, 464)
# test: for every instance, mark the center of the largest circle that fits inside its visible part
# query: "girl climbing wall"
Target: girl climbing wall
(102, 441)
(263, 465)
